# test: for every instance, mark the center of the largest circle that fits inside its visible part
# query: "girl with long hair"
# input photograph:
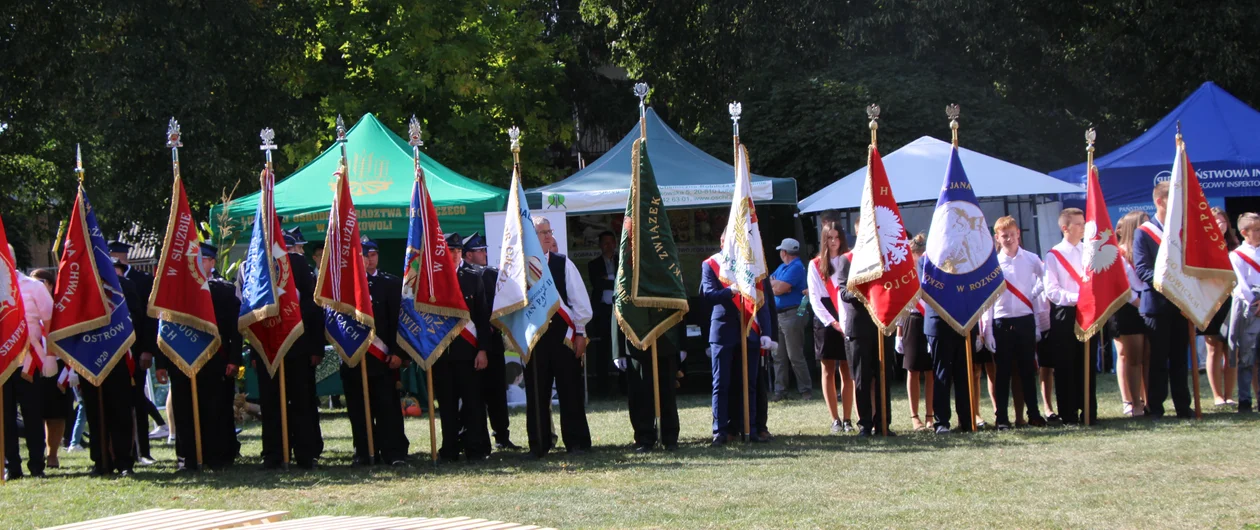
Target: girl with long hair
(1221, 372)
(824, 282)
(912, 344)
(1127, 328)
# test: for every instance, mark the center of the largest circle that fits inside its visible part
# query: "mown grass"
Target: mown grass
(1122, 474)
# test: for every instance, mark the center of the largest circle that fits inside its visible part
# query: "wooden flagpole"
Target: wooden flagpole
(656, 392)
(367, 411)
(428, 374)
(103, 436)
(1194, 371)
(1088, 369)
(971, 382)
(883, 389)
(3, 419)
(743, 350)
(196, 420)
(1090, 135)
(284, 418)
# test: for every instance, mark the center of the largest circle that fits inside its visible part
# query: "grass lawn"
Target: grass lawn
(1122, 474)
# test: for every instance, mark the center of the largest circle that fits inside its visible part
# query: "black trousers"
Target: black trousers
(1170, 363)
(219, 446)
(305, 439)
(457, 388)
(1016, 341)
(642, 402)
(390, 441)
(553, 362)
(494, 395)
(120, 420)
(142, 405)
(863, 356)
(949, 367)
(599, 350)
(19, 392)
(1069, 367)
(761, 397)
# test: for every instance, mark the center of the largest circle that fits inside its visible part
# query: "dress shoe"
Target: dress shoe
(12, 474)
(718, 441)
(507, 445)
(1037, 421)
(1244, 406)
(308, 464)
(807, 395)
(864, 432)
(126, 473)
(758, 439)
(577, 452)
(1002, 427)
(671, 446)
(642, 449)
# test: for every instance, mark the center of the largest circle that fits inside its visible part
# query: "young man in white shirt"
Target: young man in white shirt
(1244, 328)
(1062, 282)
(1009, 326)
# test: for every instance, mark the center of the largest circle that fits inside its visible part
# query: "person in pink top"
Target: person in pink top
(25, 390)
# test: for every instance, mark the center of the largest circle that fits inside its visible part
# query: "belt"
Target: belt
(790, 309)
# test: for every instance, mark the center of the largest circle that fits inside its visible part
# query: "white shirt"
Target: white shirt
(1135, 283)
(1061, 289)
(1022, 271)
(579, 305)
(818, 290)
(39, 308)
(1248, 278)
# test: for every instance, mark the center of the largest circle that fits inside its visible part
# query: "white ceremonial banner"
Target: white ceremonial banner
(494, 232)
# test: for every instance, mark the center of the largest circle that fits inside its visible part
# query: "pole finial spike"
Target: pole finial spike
(953, 113)
(414, 132)
(267, 135)
(514, 136)
(872, 112)
(173, 134)
(78, 162)
(341, 129)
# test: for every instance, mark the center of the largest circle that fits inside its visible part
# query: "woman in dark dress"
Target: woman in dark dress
(1126, 327)
(828, 339)
(912, 344)
(1222, 374)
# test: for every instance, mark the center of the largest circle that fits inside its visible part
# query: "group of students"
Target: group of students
(1027, 335)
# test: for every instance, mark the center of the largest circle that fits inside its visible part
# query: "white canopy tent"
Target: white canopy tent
(917, 170)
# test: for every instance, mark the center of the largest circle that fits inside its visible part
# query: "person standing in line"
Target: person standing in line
(911, 343)
(828, 334)
(1221, 370)
(145, 348)
(494, 381)
(601, 272)
(1127, 327)
(724, 342)
(1167, 329)
(862, 338)
(1244, 328)
(28, 395)
(1062, 281)
(789, 284)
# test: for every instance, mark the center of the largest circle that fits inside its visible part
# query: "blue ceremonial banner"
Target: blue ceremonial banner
(90, 346)
(257, 288)
(961, 275)
(191, 345)
(526, 296)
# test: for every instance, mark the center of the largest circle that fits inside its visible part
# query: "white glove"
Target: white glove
(682, 356)
(773, 345)
(620, 363)
(989, 343)
(766, 342)
(898, 346)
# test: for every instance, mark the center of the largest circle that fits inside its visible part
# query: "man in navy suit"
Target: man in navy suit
(1168, 328)
(724, 337)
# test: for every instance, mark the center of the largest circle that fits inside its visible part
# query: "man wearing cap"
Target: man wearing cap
(553, 360)
(601, 272)
(456, 377)
(789, 284)
(383, 361)
(145, 347)
(493, 378)
(216, 388)
(305, 439)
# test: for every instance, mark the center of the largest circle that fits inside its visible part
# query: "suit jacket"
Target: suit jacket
(856, 321)
(312, 342)
(493, 342)
(597, 276)
(1144, 250)
(386, 290)
(470, 284)
(724, 324)
(146, 326)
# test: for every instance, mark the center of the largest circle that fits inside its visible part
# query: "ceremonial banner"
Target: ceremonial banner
(961, 275)
(1104, 286)
(742, 261)
(526, 296)
(91, 325)
(1192, 268)
(14, 332)
(187, 329)
(650, 296)
(882, 272)
(342, 288)
(270, 317)
(433, 309)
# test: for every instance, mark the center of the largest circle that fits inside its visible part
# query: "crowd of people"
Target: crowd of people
(1024, 343)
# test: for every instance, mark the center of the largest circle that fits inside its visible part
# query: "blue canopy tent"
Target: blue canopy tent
(1222, 136)
(916, 171)
(687, 176)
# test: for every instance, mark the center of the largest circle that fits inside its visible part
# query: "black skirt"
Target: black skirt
(914, 346)
(828, 343)
(1214, 327)
(58, 405)
(1126, 321)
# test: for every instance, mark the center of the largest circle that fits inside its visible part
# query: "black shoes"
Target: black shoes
(1037, 421)
(642, 449)
(718, 441)
(1003, 427)
(864, 432)
(1244, 406)
(506, 445)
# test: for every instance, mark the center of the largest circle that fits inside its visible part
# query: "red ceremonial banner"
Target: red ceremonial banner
(892, 290)
(1206, 254)
(1104, 288)
(79, 298)
(14, 332)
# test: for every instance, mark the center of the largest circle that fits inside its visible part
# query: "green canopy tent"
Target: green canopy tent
(381, 175)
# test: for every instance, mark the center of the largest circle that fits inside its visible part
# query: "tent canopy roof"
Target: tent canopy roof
(381, 175)
(688, 177)
(917, 170)
(1218, 127)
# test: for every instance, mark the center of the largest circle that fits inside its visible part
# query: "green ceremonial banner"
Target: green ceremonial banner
(650, 296)
(381, 173)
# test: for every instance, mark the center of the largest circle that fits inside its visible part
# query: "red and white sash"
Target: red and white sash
(833, 288)
(1067, 265)
(1020, 294)
(712, 263)
(1155, 232)
(1243, 256)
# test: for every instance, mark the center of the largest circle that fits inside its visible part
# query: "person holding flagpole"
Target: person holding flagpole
(828, 332)
(307, 441)
(1063, 283)
(25, 308)
(456, 375)
(1167, 330)
(493, 383)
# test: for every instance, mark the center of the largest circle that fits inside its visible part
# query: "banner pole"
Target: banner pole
(656, 393)
(971, 382)
(1085, 402)
(743, 350)
(3, 419)
(367, 412)
(196, 420)
(284, 420)
(428, 374)
(1194, 371)
(883, 389)
(104, 434)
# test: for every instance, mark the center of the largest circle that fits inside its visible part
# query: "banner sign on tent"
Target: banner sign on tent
(674, 196)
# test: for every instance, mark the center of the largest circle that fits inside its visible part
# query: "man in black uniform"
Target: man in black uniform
(118, 433)
(601, 272)
(861, 345)
(305, 439)
(383, 361)
(144, 349)
(642, 400)
(494, 377)
(216, 387)
(456, 381)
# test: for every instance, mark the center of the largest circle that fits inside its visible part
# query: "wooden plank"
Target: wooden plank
(104, 520)
(144, 522)
(236, 520)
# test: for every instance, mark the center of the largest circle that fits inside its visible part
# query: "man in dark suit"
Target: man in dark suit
(216, 389)
(383, 360)
(601, 274)
(861, 345)
(144, 349)
(456, 381)
(118, 434)
(1169, 332)
(724, 341)
(493, 378)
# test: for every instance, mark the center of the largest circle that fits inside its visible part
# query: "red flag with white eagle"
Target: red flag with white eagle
(1104, 285)
(14, 332)
(882, 271)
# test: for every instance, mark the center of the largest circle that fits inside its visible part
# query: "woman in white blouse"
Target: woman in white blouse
(828, 338)
(1127, 327)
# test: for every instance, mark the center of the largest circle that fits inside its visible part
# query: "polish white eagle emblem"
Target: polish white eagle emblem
(892, 237)
(1098, 254)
